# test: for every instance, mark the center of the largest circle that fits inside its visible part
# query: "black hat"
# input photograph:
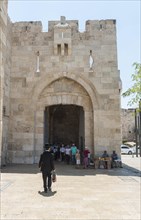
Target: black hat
(47, 146)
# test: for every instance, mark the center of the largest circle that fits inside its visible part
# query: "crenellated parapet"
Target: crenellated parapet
(27, 27)
(100, 25)
(92, 27)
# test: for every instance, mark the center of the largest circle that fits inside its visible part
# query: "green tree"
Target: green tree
(135, 90)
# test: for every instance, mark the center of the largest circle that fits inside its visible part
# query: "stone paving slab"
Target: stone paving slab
(77, 194)
(132, 162)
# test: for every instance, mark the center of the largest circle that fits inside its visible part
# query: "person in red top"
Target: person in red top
(85, 160)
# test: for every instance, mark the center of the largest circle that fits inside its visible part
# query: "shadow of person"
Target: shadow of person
(48, 194)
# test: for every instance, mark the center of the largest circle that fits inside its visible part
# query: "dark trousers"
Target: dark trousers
(62, 156)
(73, 159)
(46, 180)
(105, 164)
(67, 158)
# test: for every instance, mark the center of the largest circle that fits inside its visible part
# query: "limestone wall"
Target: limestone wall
(40, 60)
(5, 65)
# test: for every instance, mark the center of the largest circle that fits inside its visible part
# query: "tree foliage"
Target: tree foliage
(135, 90)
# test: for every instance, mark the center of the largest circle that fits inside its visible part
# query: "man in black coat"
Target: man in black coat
(46, 163)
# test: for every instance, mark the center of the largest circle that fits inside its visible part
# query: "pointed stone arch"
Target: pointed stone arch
(78, 78)
(65, 91)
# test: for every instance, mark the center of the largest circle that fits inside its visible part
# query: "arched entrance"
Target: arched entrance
(64, 124)
(64, 100)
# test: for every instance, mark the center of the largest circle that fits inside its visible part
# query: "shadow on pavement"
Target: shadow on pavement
(70, 170)
(20, 168)
(134, 170)
(48, 194)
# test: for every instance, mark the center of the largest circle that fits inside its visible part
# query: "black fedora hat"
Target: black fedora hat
(47, 146)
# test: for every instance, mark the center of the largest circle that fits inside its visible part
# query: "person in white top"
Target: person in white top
(62, 151)
(77, 159)
(67, 154)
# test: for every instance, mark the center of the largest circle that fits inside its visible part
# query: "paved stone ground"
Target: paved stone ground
(78, 194)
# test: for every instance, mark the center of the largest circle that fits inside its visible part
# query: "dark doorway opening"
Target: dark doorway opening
(64, 124)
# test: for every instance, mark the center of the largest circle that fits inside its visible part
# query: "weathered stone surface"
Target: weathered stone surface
(51, 69)
(128, 124)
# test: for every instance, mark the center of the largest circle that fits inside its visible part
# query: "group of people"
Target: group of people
(75, 156)
(67, 153)
(70, 154)
(64, 153)
(114, 159)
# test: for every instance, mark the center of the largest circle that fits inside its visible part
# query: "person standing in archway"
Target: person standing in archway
(73, 153)
(85, 160)
(77, 159)
(67, 154)
(62, 151)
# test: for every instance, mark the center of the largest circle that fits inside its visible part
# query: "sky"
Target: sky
(128, 21)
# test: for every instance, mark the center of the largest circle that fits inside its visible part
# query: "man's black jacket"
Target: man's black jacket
(46, 162)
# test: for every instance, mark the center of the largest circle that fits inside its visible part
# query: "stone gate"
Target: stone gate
(63, 87)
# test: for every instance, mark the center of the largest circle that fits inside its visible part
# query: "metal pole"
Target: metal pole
(34, 136)
(140, 126)
(136, 133)
(136, 129)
